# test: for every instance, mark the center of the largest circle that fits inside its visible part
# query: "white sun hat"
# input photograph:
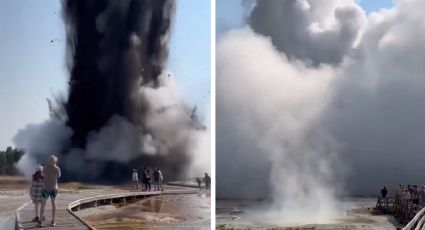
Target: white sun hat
(39, 168)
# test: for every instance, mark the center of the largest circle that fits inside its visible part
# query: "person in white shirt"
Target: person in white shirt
(50, 187)
(135, 180)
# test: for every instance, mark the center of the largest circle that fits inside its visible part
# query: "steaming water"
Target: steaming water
(256, 214)
(160, 212)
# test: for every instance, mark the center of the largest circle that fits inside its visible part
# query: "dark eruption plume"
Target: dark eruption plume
(114, 47)
(123, 110)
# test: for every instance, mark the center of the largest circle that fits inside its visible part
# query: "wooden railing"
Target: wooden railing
(404, 211)
(109, 199)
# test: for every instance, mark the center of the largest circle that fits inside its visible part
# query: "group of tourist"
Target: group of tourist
(404, 195)
(44, 186)
(206, 180)
(146, 180)
(411, 193)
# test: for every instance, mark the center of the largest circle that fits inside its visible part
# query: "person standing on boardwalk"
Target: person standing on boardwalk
(398, 194)
(161, 180)
(384, 192)
(148, 178)
(50, 187)
(199, 181)
(135, 180)
(415, 195)
(35, 191)
(157, 177)
(422, 195)
(144, 185)
(207, 180)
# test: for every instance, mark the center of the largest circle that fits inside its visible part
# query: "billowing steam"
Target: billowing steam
(315, 100)
(326, 29)
(279, 145)
(123, 108)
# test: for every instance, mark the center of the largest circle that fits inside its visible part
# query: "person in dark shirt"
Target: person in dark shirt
(148, 178)
(384, 192)
(199, 181)
(143, 176)
(207, 180)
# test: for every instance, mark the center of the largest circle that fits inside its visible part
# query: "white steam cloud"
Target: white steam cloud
(279, 105)
(39, 141)
(314, 100)
(170, 122)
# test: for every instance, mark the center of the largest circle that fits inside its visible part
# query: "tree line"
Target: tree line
(8, 160)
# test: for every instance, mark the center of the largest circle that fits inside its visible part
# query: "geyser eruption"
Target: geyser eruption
(123, 109)
(279, 146)
(282, 142)
(316, 100)
(115, 47)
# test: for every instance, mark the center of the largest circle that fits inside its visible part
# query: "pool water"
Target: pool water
(188, 211)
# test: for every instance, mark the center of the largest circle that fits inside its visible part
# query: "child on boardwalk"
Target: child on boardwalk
(35, 191)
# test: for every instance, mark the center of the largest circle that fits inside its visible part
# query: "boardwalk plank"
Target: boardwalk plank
(64, 219)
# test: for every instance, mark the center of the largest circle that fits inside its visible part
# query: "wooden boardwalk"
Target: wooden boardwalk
(67, 219)
(64, 219)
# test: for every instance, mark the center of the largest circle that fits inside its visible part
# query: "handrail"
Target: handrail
(418, 217)
(102, 198)
(118, 196)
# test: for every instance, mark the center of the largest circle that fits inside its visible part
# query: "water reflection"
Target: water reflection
(189, 211)
(151, 205)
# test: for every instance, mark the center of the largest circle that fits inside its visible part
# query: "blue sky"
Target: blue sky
(375, 5)
(230, 13)
(32, 68)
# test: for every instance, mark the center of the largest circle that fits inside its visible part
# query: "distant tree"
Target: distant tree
(3, 162)
(8, 160)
